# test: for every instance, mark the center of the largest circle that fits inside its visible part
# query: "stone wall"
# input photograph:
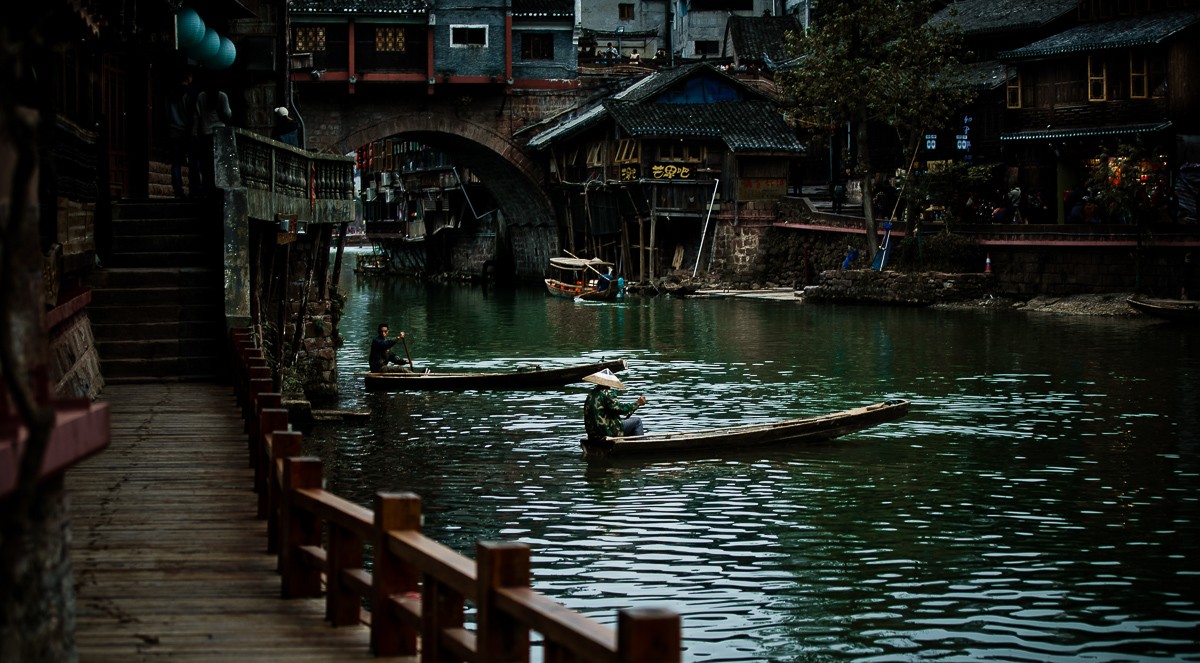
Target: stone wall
(916, 288)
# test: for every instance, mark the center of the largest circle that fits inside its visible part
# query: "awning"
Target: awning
(1135, 31)
(1083, 132)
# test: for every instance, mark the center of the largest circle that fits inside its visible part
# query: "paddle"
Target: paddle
(410, 363)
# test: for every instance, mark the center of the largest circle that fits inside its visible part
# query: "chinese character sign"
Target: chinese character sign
(670, 172)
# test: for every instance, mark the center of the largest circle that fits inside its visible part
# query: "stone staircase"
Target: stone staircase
(157, 308)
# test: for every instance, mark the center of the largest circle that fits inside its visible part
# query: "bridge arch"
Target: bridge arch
(480, 139)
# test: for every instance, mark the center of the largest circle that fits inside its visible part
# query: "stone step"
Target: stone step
(162, 348)
(182, 295)
(148, 331)
(133, 313)
(117, 371)
(133, 277)
(151, 259)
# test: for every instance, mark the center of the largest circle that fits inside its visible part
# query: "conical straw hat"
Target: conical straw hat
(605, 378)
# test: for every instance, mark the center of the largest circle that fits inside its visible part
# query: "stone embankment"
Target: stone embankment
(933, 289)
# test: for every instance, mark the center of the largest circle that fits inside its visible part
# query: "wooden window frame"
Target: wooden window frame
(467, 36)
(680, 152)
(537, 46)
(390, 39)
(309, 38)
(628, 151)
(1012, 87)
(625, 11)
(1139, 75)
(595, 155)
(1097, 75)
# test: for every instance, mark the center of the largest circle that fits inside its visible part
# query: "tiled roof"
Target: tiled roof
(754, 36)
(543, 8)
(986, 75)
(983, 16)
(359, 6)
(642, 92)
(744, 126)
(1129, 32)
(1077, 132)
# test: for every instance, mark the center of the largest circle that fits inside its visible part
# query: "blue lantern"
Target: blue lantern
(189, 29)
(225, 56)
(207, 48)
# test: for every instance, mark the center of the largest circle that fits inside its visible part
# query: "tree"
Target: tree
(876, 62)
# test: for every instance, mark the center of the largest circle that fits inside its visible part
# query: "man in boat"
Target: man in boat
(602, 412)
(382, 355)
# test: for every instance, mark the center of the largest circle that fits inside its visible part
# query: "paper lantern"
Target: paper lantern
(189, 29)
(207, 48)
(226, 54)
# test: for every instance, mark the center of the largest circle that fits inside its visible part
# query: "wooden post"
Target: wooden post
(441, 609)
(391, 577)
(280, 444)
(344, 552)
(500, 636)
(298, 528)
(649, 635)
(270, 420)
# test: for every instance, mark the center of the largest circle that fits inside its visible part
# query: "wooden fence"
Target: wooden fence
(418, 589)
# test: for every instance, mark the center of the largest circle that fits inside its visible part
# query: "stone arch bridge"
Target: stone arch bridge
(480, 130)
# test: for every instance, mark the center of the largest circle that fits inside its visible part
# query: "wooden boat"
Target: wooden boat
(579, 278)
(1176, 310)
(792, 431)
(535, 378)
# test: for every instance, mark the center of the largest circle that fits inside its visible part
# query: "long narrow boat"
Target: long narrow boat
(535, 378)
(792, 431)
(1175, 310)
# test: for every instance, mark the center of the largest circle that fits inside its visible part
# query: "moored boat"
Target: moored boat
(1176, 310)
(532, 378)
(581, 278)
(733, 438)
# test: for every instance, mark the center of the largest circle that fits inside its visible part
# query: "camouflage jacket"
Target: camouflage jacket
(602, 413)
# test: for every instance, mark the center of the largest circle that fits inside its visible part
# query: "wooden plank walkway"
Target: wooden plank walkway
(170, 561)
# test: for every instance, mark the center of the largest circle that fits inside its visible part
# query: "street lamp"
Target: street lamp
(620, 31)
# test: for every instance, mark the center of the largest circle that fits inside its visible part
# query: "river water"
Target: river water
(1040, 501)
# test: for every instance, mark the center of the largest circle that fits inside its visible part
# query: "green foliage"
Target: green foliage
(939, 252)
(950, 187)
(877, 61)
(1121, 181)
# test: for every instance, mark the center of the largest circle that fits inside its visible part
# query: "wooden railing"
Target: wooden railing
(281, 179)
(417, 589)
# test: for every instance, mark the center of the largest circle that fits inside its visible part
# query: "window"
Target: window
(595, 155)
(389, 40)
(1097, 79)
(680, 152)
(707, 47)
(627, 151)
(1139, 86)
(310, 39)
(463, 36)
(625, 11)
(1012, 85)
(537, 46)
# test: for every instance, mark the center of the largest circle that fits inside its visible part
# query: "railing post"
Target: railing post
(344, 551)
(500, 637)
(391, 577)
(280, 444)
(298, 528)
(441, 610)
(271, 418)
(649, 635)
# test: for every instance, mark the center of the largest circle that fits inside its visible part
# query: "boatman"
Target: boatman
(382, 355)
(602, 412)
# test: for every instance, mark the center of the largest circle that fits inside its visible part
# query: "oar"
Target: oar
(405, 342)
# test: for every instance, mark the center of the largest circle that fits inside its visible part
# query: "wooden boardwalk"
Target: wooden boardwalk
(170, 561)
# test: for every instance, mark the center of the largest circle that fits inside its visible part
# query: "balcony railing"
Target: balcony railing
(283, 180)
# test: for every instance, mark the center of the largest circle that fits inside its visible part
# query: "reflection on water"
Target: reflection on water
(1038, 503)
